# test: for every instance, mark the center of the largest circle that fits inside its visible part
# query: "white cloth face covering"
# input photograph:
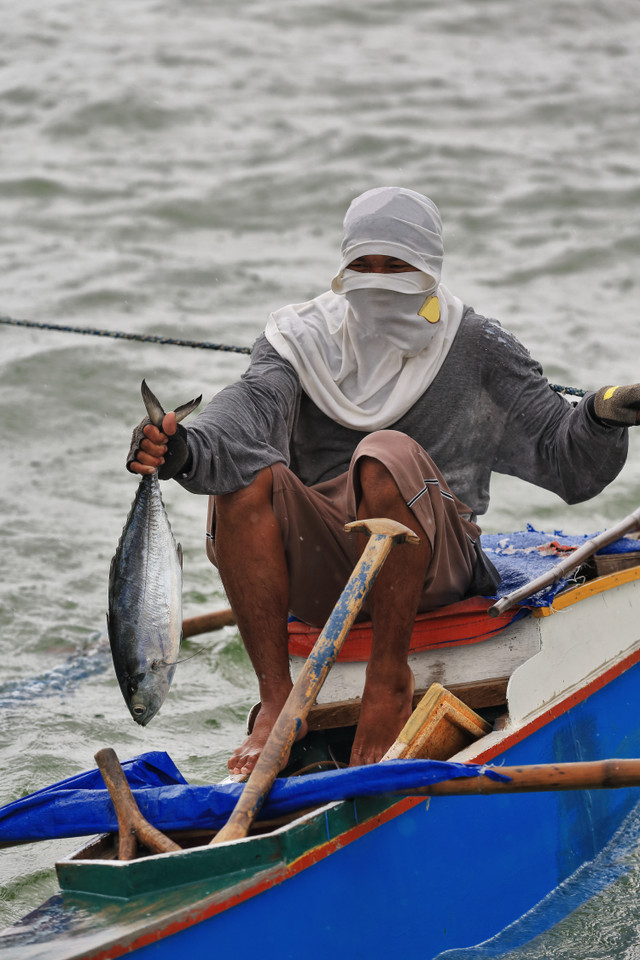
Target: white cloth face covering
(385, 307)
(367, 349)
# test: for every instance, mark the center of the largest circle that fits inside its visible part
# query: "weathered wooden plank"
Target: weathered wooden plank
(475, 694)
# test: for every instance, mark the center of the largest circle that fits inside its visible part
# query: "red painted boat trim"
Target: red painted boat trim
(278, 875)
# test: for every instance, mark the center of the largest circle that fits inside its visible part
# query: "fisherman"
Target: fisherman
(385, 396)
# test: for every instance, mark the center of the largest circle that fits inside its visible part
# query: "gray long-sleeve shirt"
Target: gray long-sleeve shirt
(488, 409)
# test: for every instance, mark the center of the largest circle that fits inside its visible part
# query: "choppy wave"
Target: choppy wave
(184, 169)
(75, 669)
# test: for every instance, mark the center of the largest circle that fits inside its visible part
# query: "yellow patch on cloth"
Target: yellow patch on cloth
(430, 309)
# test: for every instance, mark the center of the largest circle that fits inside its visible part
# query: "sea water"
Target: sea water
(181, 170)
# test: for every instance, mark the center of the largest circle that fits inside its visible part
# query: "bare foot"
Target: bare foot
(386, 707)
(244, 759)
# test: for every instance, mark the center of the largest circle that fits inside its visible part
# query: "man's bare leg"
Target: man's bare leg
(253, 570)
(394, 598)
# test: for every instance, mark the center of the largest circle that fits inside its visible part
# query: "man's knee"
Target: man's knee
(372, 472)
(376, 485)
(384, 463)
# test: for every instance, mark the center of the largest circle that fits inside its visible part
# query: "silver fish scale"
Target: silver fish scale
(145, 603)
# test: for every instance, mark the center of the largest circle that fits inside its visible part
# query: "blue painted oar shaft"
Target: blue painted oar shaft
(328, 644)
(383, 535)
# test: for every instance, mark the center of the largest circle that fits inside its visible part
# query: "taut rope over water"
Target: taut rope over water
(178, 342)
(121, 335)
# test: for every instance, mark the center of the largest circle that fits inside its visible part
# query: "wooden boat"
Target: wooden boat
(390, 875)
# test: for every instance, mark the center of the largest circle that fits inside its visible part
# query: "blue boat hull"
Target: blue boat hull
(441, 874)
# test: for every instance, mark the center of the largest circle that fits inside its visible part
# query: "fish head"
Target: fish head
(145, 692)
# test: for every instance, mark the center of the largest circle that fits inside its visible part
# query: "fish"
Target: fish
(144, 621)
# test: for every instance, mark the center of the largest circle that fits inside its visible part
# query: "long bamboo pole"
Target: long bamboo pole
(589, 775)
(193, 626)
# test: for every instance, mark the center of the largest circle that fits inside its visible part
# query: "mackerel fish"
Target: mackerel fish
(145, 592)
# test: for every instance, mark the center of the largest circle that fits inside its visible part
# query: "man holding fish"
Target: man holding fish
(385, 396)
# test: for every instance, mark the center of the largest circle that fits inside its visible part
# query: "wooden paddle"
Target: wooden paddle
(132, 826)
(383, 534)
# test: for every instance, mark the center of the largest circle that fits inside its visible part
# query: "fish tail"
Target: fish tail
(153, 405)
(156, 412)
(186, 408)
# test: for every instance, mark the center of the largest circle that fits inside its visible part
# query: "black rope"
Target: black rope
(177, 342)
(121, 335)
(570, 391)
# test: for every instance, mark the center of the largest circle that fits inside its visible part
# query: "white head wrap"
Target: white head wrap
(397, 223)
(367, 349)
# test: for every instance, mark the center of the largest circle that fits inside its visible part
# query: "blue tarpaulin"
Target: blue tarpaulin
(81, 805)
(527, 554)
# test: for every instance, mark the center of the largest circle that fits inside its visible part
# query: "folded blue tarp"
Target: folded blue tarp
(81, 806)
(525, 555)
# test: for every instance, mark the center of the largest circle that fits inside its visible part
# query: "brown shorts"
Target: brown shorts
(321, 555)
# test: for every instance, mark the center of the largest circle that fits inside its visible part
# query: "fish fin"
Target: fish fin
(179, 549)
(154, 408)
(174, 663)
(156, 412)
(185, 409)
